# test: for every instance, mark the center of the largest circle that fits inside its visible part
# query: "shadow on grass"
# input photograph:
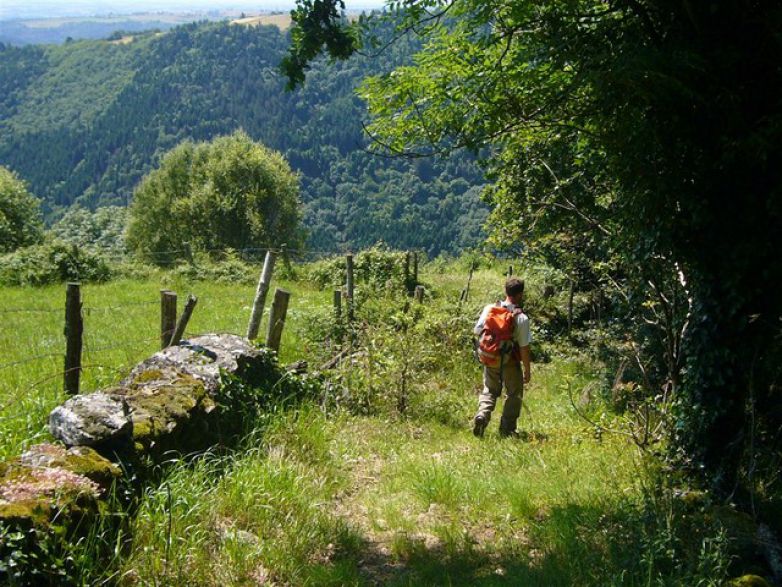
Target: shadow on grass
(574, 545)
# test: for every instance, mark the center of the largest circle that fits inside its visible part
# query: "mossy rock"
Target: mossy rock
(206, 357)
(748, 581)
(81, 460)
(169, 414)
(31, 494)
(26, 513)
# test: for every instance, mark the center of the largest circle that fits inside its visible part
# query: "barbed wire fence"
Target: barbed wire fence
(85, 351)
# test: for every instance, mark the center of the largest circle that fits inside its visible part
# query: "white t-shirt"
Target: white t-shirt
(521, 333)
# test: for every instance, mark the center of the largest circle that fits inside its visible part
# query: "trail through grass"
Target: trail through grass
(360, 500)
(381, 481)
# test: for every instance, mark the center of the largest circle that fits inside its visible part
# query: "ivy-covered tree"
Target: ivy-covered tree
(228, 193)
(20, 214)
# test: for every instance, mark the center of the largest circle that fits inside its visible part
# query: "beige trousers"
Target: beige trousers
(513, 382)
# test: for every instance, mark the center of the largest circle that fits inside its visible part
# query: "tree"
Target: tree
(227, 193)
(99, 231)
(662, 116)
(20, 214)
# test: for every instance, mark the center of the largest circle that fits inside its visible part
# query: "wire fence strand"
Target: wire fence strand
(30, 359)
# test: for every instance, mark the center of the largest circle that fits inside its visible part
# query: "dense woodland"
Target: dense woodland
(85, 121)
(634, 146)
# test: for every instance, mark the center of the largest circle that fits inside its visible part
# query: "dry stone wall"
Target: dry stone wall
(168, 405)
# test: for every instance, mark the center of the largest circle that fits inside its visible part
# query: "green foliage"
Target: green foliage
(319, 24)
(228, 193)
(322, 486)
(20, 215)
(379, 267)
(105, 127)
(231, 268)
(52, 262)
(101, 231)
(631, 129)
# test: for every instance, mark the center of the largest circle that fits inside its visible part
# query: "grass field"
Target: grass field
(121, 327)
(353, 489)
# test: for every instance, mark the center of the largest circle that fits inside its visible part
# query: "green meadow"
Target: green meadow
(378, 481)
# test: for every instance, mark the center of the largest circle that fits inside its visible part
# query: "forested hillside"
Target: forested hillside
(85, 121)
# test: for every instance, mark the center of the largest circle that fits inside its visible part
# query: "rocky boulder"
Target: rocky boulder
(95, 419)
(204, 358)
(49, 481)
(165, 403)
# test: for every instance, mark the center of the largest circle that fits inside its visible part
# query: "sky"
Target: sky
(13, 9)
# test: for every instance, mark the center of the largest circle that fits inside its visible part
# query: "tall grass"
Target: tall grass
(361, 488)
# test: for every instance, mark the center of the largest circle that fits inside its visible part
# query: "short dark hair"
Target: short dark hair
(514, 286)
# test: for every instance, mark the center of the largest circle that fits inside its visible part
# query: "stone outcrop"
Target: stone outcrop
(169, 402)
(204, 358)
(91, 420)
(164, 404)
(49, 480)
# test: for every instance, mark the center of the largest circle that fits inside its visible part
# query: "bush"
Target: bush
(101, 231)
(20, 214)
(51, 263)
(230, 269)
(227, 193)
(378, 266)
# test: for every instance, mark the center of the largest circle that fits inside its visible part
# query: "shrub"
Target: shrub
(227, 193)
(51, 263)
(101, 231)
(378, 266)
(20, 214)
(230, 269)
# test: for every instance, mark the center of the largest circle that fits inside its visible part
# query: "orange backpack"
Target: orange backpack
(496, 338)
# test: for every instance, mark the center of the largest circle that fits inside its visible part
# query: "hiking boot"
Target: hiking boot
(478, 426)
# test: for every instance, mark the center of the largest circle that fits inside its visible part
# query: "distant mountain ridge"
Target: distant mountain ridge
(83, 122)
(57, 30)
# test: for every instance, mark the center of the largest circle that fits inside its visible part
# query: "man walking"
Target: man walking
(503, 347)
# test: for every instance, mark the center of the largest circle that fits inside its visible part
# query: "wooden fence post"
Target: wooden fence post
(74, 328)
(183, 320)
(510, 270)
(337, 304)
(415, 267)
(407, 273)
(260, 295)
(277, 318)
(167, 316)
(419, 294)
(469, 281)
(350, 286)
(188, 253)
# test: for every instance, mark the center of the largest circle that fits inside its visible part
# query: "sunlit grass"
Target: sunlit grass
(121, 328)
(325, 495)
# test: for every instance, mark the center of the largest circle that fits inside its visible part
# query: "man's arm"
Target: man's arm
(478, 328)
(526, 362)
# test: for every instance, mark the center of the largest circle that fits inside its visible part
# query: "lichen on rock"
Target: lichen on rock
(81, 460)
(91, 420)
(203, 357)
(164, 413)
(49, 479)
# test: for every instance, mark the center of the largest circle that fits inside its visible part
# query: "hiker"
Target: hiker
(503, 347)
